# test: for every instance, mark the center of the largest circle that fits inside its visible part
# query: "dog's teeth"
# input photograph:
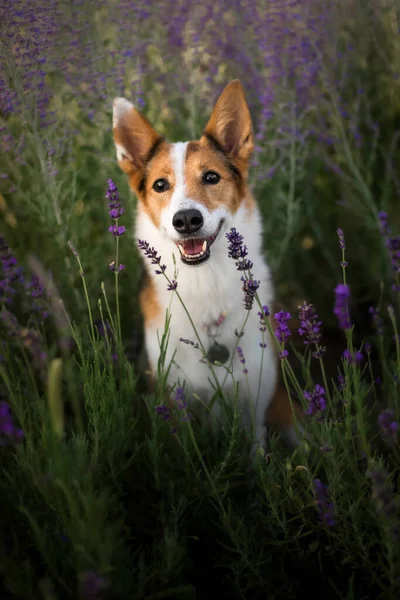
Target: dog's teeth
(204, 248)
(181, 250)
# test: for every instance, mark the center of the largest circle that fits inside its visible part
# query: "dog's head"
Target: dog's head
(189, 190)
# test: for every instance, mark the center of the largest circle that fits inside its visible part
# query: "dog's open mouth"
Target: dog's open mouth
(194, 251)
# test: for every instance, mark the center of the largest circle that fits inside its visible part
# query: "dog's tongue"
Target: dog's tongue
(193, 246)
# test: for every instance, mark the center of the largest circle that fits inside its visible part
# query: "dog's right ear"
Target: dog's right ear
(134, 137)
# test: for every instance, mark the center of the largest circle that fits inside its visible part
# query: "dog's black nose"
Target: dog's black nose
(187, 221)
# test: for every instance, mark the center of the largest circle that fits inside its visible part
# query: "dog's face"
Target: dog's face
(189, 190)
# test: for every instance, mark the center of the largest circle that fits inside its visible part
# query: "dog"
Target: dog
(190, 195)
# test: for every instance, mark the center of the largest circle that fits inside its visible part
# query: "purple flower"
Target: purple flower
(392, 242)
(282, 331)
(341, 310)
(249, 287)
(92, 585)
(353, 359)
(10, 274)
(112, 266)
(73, 249)
(9, 433)
(342, 241)
(310, 327)
(377, 320)
(316, 400)
(152, 254)
(180, 399)
(341, 382)
(237, 250)
(263, 315)
(368, 347)
(388, 424)
(241, 358)
(116, 208)
(324, 505)
(189, 342)
(117, 230)
(382, 492)
(163, 411)
(172, 286)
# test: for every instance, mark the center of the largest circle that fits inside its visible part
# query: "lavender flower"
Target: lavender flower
(310, 327)
(152, 254)
(73, 249)
(342, 241)
(117, 230)
(249, 287)
(9, 433)
(113, 268)
(237, 250)
(392, 242)
(341, 310)
(383, 494)
(341, 382)
(316, 400)
(10, 274)
(241, 358)
(116, 208)
(324, 505)
(180, 400)
(282, 331)
(388, 425)
(92, 585)
(353, 359)
(164, 412)
(377, 320)
(368, 347)
(189, 342)
(263, 315)
(172, 286)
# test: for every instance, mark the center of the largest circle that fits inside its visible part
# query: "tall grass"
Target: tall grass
(107, 492)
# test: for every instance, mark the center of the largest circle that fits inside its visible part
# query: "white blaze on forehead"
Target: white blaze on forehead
(178, 159)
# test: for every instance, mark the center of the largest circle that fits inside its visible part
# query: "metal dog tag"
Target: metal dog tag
(218, 352)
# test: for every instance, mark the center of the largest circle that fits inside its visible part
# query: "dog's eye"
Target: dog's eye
(211, 178)
(161, 185)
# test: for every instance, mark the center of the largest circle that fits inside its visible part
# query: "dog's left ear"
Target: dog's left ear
(230, 123)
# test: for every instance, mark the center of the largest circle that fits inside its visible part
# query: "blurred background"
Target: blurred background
(322, 81)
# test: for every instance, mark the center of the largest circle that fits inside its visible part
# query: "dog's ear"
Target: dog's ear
(134, 137)
(230, 123)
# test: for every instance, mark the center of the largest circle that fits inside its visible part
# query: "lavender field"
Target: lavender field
(106, 492)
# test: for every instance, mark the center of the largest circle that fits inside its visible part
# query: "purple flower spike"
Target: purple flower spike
(116, 208)
(342, 241)
(341, 310)
(180, 399)
(392, 243)
(316, 400)
(242, 359)
(92, 585)
(152, 254)
(249, 287)
(377, 320)
(10, 273)
(324, 505)
(9, 433)
(163, 411)
(282, 331)
(117, 230)
(310, 327)
(237, 250)
(388, 425)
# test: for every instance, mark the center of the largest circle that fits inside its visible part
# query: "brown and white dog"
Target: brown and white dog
(190, 194)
